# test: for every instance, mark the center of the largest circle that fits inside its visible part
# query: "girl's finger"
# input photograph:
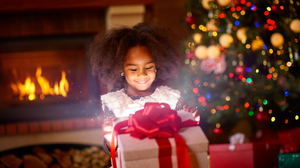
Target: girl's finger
(194, 110)
(197, 118)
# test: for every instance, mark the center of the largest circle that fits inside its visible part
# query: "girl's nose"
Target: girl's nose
(143, 72)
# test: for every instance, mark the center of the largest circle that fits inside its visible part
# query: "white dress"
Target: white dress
(122, 104)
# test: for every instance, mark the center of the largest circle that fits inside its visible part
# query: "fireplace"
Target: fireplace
(48, 95)
(47, 78)
(44, 71)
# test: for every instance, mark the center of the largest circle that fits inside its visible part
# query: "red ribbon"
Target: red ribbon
(159, 121)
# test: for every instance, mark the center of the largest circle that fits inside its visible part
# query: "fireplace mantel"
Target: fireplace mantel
(33, 5)
(29, 18)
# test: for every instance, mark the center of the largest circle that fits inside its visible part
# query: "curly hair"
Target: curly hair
(108, 50)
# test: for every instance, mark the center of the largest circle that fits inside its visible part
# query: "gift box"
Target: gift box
(290, 140)
(137, 153)
(245, 155)
(289, 160)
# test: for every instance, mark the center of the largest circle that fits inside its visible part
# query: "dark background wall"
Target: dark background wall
(170, 13)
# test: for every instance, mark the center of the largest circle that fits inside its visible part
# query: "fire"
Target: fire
(29, 88)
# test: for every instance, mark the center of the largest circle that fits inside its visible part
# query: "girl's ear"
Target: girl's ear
(122, 73)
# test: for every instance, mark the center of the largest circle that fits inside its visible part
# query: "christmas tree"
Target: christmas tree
(242, 64)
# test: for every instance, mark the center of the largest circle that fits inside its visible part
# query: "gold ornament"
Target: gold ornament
(201, 52)
(277, 39)
(241, 34)
(226, 40)
(224, 2)
(213, 52)
(197, 38)
(205, 4)
(295, 26)
(257, 44)
(211, 25)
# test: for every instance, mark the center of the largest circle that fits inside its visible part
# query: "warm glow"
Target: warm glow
(63, 85)
(28, 88)
(43, 82)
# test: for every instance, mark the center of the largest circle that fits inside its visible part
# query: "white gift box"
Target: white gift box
(137, 153)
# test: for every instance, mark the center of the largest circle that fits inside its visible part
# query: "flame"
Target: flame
(43, 82)
(63, 85)
(28, 88)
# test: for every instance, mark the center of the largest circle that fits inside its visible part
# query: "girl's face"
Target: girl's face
(139, 70)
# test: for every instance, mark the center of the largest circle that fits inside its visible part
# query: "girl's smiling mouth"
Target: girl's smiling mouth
(142, 82)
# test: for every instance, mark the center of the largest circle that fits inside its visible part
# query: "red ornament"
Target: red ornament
(275, 8)
(190, 20)
(240, 70)
(235, 2)
(218, 131)
(190, 55)
(262, 117)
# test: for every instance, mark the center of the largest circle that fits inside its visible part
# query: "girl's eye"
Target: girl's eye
(133, 69)
(150, 67)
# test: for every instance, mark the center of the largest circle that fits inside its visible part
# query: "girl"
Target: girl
(137, 61)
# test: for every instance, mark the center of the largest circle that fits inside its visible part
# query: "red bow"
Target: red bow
(156, 120)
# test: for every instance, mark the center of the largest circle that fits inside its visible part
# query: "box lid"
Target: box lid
(244, 147)
(133, 148)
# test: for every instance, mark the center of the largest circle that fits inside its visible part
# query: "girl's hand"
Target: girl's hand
(194, 112)
(107, 128)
